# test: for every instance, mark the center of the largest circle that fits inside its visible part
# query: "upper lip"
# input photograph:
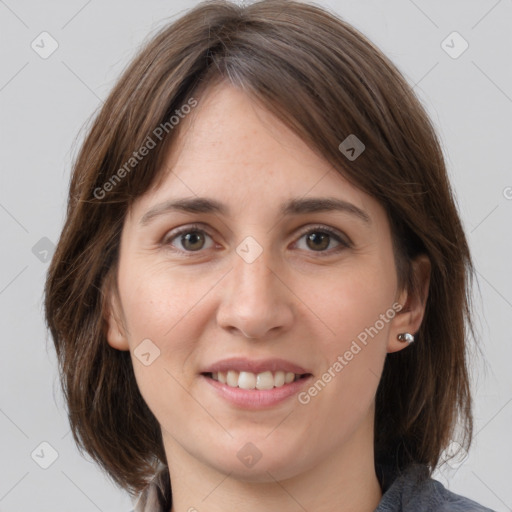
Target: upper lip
(242, 364)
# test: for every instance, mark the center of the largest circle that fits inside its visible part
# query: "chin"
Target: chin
(250, 464)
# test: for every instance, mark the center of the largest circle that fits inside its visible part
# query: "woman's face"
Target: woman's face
(256, 259)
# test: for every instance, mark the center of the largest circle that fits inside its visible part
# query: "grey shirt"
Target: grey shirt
(410, 491)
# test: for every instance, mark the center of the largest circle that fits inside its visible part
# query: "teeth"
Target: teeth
(232, 379)
(264, 380)
(289, 377)
(279, 378)
(246, 380)
(249, 380)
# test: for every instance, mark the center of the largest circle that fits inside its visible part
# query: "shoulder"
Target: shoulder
(414, 491)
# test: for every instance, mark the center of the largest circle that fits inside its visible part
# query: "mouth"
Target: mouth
(265, 380)
(256, 384)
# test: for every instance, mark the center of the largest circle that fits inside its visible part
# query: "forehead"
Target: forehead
(232, 148)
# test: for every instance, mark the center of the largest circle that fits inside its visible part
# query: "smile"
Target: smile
(250, 380)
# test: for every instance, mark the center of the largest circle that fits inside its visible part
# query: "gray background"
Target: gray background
(45, 102)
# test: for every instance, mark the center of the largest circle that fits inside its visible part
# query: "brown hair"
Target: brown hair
(326, 81)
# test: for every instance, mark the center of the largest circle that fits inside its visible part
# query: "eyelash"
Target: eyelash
(343, 243)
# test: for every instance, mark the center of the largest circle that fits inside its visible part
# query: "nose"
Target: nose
(256, 302)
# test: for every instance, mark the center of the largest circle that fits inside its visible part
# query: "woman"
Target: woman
(261, 289)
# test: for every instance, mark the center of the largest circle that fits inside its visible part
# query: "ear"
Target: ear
(116, 331)
(413, 302)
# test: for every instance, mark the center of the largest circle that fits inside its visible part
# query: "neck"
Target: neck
(344, 481)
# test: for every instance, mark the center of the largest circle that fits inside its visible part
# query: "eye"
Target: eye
(320, 239)
(189, 239)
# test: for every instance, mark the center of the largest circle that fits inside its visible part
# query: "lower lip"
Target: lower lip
(257, 398)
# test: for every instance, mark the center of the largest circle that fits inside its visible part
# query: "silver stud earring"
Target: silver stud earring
(406, 337)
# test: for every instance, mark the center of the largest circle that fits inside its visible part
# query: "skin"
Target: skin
(294, 301)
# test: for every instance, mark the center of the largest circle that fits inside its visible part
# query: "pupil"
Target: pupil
(318, 241)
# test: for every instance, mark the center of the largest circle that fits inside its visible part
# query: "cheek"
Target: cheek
(351, 299)
(157, 299)
(166, 307)
(356, 306)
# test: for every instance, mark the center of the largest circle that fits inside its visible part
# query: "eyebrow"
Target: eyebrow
(299, 206)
